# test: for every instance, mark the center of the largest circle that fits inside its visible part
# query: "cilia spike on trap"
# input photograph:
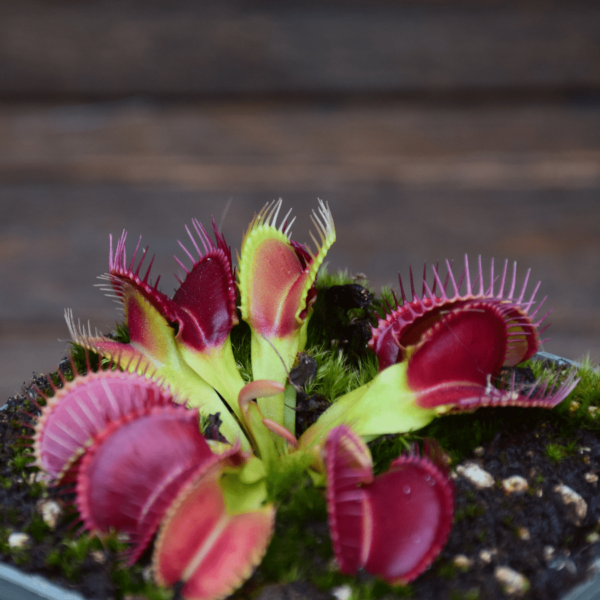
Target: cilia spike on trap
(129, 438)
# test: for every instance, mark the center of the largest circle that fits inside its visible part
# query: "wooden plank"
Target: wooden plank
(109, 49)
(265, 146)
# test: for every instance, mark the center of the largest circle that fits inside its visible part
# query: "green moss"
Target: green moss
(70, 557)
(37, 528)
(383, 301)
(557, 452)
(387, 448)
(446, 570)
(300, 547)
(53, 558)
(481, 535)
(470, 511)
(21, 556)
(130, 583)
(375, 589)
(36, 490)
(336, 376)
(4, 547)
(508, 520)
(287, 475)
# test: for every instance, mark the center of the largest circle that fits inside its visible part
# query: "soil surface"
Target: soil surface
(543, 525)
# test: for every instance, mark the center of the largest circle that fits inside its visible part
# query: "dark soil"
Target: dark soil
(535, 533)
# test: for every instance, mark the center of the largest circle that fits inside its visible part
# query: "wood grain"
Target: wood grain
(106, 49)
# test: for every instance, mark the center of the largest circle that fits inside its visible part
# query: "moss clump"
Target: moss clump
(470, 511)
(558, 452)
(37, 528)
(300, 547)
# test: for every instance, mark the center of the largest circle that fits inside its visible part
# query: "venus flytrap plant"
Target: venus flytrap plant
(140, 463)
(440, 354)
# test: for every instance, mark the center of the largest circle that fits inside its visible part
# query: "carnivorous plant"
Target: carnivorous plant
(129, 438)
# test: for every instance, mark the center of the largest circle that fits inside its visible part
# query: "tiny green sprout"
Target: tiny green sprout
(4, 547)
(20, 556)
(131, 583)
(447, 570)
(474, 510)
(21, 461)
(53, 558)
(481, 535)
(36, 490)
(113, 544)
(37, 528)
(375, 589)
(70, 560)
(6, 482)
(55, 377)
(558, 452)
(77, 549)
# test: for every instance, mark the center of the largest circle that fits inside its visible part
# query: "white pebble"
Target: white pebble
(475, 475)
(342, 592)
(19, 540)
(591, 477)
(515, 485)
(98, 556)
(523, 533)
(592, 538)
(486, 556)
(573, 500)
(462, 562)
(549, 553)
(50, 511)
(147, 574)
(513, 583)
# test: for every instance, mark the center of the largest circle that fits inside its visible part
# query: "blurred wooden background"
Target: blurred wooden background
(433, 128)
